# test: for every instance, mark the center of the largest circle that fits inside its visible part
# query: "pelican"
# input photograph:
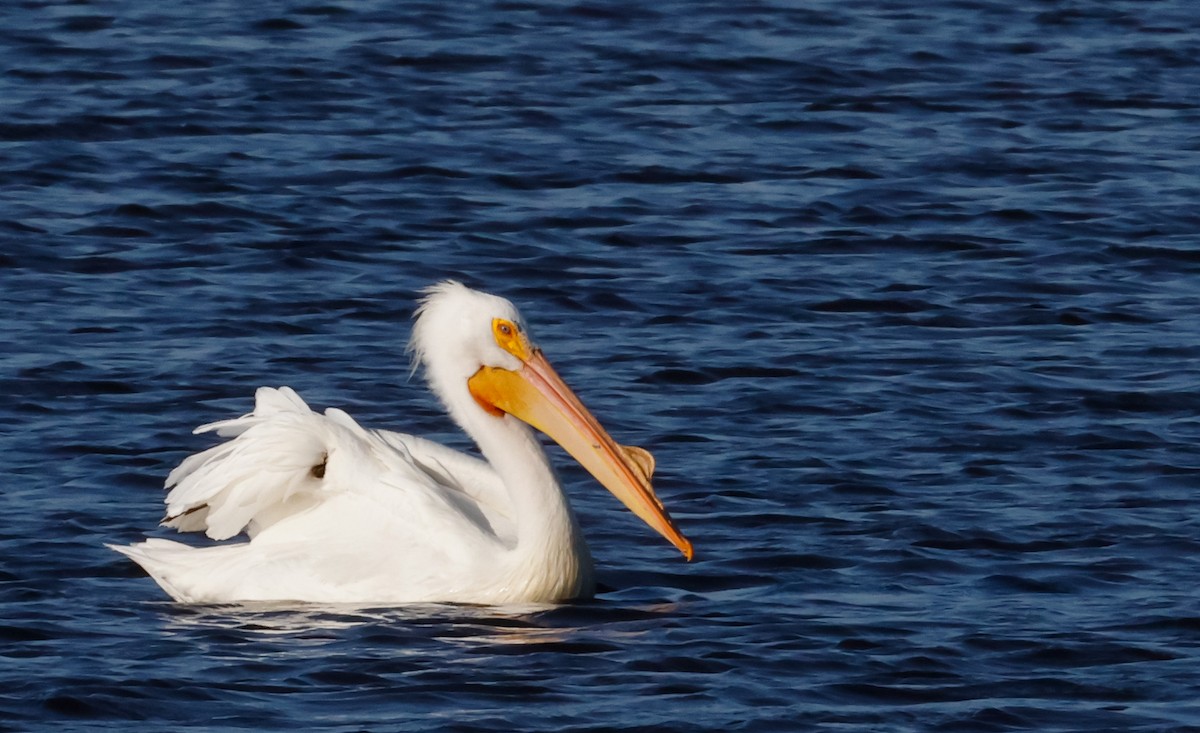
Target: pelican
(337, 513)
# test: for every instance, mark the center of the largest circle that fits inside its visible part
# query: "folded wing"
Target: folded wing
(281, 459)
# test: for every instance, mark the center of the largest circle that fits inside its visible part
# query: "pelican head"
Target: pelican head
(477, 342)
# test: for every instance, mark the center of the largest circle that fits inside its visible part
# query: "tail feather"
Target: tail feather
(163, 560)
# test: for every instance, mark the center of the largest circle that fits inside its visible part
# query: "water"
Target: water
(901, 295)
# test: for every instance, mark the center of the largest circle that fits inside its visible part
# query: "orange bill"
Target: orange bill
(538, 396)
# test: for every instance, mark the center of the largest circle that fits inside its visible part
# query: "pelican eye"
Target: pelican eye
(509, 337)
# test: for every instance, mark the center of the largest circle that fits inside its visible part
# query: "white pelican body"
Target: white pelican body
(337, 513)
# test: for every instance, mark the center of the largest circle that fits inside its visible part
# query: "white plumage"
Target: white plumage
(335, 512)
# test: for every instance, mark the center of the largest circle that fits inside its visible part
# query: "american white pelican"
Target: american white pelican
(338, 513)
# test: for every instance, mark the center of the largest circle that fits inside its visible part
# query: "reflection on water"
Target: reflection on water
(275, 618)
(521, 624)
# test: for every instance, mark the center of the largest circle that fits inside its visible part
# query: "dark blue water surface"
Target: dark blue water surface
(903, 296)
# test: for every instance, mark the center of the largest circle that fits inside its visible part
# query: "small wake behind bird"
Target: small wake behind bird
(339, 513)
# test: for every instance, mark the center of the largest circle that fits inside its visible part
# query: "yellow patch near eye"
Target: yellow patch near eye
(510, 338)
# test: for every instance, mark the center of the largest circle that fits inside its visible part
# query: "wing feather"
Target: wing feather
(459, 472)
(283, 458)
(273, 465)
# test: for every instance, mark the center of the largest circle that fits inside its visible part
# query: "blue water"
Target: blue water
(903, 297)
